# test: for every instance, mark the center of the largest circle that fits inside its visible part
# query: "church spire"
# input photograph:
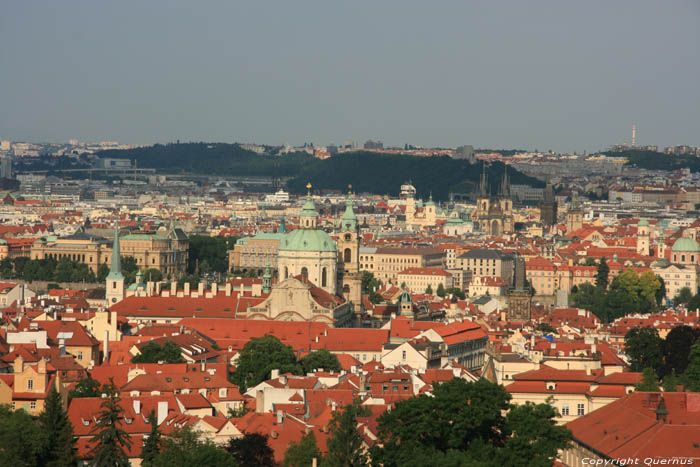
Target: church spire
(348, 221)
(505, 186)
(483, 187)
(115, 268)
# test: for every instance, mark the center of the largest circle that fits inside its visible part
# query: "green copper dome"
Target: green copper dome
(686, 245)
(643, 222)
(307, 240)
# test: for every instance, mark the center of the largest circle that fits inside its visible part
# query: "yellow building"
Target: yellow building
(389, 262)
(166, 250)
(418, 279)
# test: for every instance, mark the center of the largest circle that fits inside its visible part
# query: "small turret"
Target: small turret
(267, 279)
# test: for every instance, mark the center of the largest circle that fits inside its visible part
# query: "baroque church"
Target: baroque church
(319, 277)
(494, 214)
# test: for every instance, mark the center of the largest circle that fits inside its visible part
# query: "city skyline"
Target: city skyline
(537, 76)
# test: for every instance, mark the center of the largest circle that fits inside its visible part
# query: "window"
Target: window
(385, 387)
(403, 355)
(565, 410)
(30, 384)
(580, 409)
(394, 387)
(80, 355)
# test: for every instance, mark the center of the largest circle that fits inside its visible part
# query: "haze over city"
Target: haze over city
(534, 75)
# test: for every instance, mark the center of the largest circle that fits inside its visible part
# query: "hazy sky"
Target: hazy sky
(559, 74)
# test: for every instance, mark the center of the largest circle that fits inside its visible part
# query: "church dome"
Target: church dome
(685, 245)
(307, 240)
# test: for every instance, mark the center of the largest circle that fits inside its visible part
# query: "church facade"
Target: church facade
(494, 214)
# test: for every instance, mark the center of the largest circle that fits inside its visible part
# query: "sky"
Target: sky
(536, 74)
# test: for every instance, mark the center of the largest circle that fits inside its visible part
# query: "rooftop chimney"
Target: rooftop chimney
(137, 406)
(162, 411)
(228, 289)
(187, 289)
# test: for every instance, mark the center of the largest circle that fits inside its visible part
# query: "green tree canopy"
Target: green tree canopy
(691, 376)
(441, 292)
(86, 387)
(601, 276)
(345, 442)
(251, 450)
(676, 348)
(464, 424)
(22, 441)
(684, 296)
(57, 432)
(303, 453)
(320, 359)
(370, 285)
(643, 346)
(671, 382)
(152, 275)
(429, 290)
(110, 441)
(184, 449)
(152, 444)
(648, 382)
(153, 352)
(259, 357)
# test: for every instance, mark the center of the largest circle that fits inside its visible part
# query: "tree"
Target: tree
(671, 382)
(57, 432)
(320, 359)
(129, 269)
(21, 440)
(370, 285)
(259, 357)
(601, 276)
(184, 449)
(64, 270)
(691, 376)
(152, 352)
(303, 453)
(152, 275)
(648, 383)
(151, 445)
(344, 442)
(661, 292)
(545, 328)
(534, 438)
(684, 296)
(109, 440)
(441, 291)
(457, 293)
(251, 450)
(429, 290)
(649, 285)
(676, 348)
(102, 272)
(468, 424)
(643, 346)
(86, 387)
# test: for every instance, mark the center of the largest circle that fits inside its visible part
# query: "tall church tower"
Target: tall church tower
(483, 200)
(548, 207)
(574, 216)
(349, 275)
(643, 237)
(115, 279)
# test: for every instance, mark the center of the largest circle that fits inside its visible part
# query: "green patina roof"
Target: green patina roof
(144, 237)
(643, 222)
(115, 268)
(686, 245)
(309, 208)
(307, 240)
(454, 221)
(242, 241)
(269, 236)
(349, 219)
(4, 242)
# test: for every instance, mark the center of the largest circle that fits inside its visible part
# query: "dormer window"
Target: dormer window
(551, 386)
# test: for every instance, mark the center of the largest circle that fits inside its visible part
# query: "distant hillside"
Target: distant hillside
(366, 171)
(384, 174)
(653, 160)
